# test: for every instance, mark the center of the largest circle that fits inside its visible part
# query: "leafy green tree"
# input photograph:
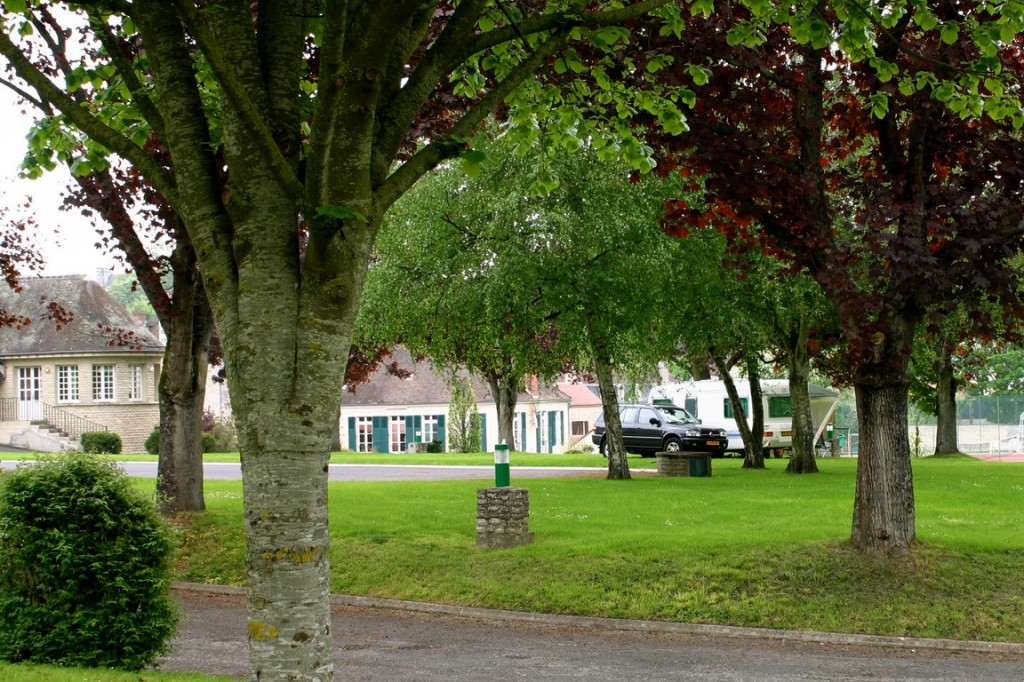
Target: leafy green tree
(455, 253)
(463, 417)
(280, 133)
(125, 290)
(870, 167)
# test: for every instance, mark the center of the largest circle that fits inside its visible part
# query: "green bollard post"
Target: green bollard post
(502, 477)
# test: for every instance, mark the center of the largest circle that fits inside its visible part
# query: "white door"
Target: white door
(30, 404)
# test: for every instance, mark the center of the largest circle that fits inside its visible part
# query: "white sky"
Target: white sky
(65, 239)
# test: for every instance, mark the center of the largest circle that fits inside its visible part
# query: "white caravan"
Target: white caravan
(709, 402)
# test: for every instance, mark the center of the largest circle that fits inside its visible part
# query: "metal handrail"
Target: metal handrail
(67, 423)
(8, 409)
(57, 418)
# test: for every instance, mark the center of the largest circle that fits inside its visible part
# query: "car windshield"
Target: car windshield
(678, 415)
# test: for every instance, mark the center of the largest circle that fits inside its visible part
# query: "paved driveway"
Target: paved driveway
(385, 641)
(216, 471)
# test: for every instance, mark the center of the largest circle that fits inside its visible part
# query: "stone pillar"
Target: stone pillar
(684, 463)
(503, 517)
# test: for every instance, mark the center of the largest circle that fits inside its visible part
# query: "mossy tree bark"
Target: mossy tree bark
(182, 393)
(883, 512)
(945, 406)
(614, 446)
(802, 460)
(505, 390)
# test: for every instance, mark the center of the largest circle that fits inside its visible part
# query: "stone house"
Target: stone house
(584, 409)
(391, 414)
(82, 363)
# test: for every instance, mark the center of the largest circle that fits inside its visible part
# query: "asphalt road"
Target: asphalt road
(215, 471)
(382, 641)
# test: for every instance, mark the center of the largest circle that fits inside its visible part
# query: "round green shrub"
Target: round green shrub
(152, 443)
(84, 567)
(209, 442)
(100, 443)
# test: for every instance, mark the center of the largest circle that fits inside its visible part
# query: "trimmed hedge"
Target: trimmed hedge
(101, 443)
(152, 443)
(84, 567)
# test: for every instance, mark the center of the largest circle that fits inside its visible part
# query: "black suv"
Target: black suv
(648, 429)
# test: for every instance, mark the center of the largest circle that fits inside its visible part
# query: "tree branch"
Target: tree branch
(429, 156)
(87, 123)
(238, 96)
(140, 96)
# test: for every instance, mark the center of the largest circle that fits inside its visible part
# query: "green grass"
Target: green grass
(751, 548)
(24, 672)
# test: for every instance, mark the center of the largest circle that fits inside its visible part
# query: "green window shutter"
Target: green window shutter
(483, 432)
(551, 432)
(352, 434)
(440, 432)
(522, 431)
(537, 436)
(413, 429)
(380, 434)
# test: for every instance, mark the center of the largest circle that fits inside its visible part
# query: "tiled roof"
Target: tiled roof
(427, 385)
(93, 312)
(580, 395)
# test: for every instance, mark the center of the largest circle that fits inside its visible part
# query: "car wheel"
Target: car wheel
(604, 448)
(672, 444)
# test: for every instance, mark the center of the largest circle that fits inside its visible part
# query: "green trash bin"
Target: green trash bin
(698, 466)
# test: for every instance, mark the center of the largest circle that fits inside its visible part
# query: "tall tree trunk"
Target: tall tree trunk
(802, 460)
(287, 543)
(182, 392)
(752, 436)
(883, 509)
(945, 407)
(615, 447)
(754, 456)
(505, 390)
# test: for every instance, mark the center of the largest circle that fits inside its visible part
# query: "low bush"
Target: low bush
(435, 446)
(152, 443)
(84, 567)
(101, 443)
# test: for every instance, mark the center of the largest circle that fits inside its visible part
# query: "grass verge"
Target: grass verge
(26, 672)
(750, 548)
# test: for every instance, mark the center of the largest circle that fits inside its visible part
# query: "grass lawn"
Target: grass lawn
(751, 548)
(25, 672)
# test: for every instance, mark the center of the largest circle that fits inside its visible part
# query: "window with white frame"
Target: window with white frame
(67, 383)
(103, 383)
(364, 433)
(580, 428)
(430, 430)
(135, 382)
(397, 434)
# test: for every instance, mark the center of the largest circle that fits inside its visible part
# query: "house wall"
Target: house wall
(132, 420)
(583, 417)
(545, 424)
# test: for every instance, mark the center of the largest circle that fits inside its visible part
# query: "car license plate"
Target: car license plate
(787, 433)
(712, 442)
